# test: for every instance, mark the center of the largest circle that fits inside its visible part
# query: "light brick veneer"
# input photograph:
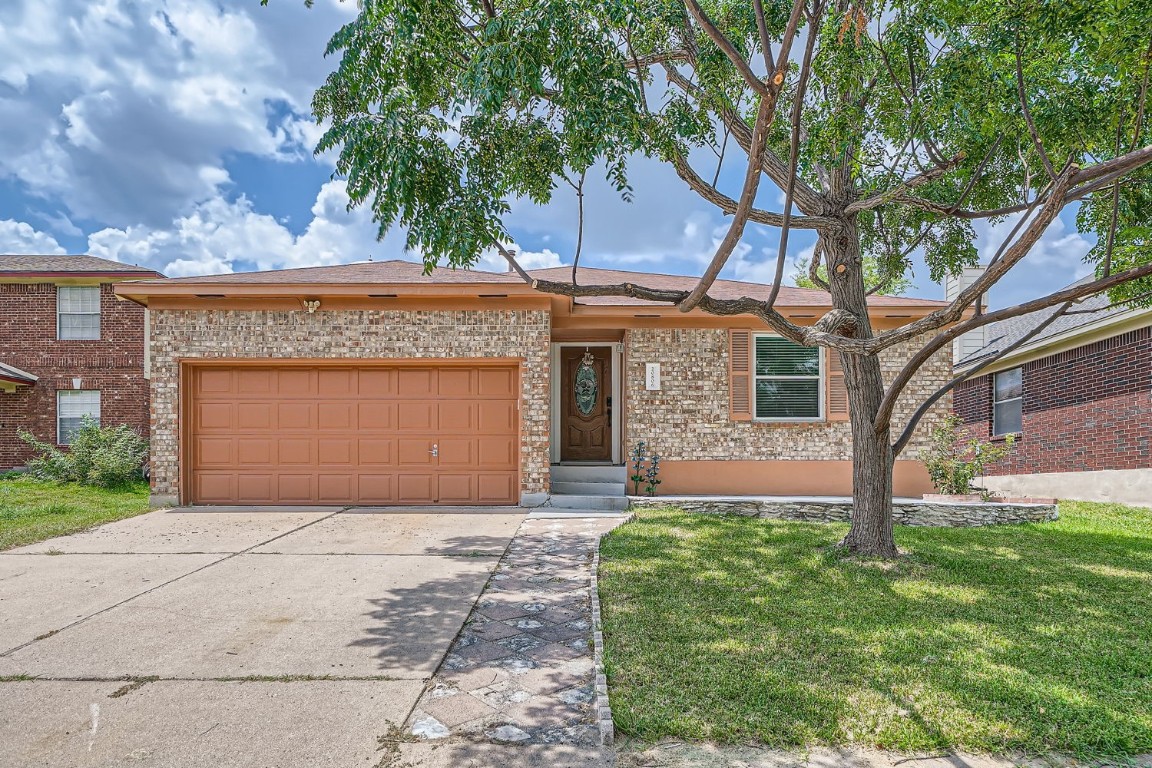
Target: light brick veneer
(687, 419)
(350, 334)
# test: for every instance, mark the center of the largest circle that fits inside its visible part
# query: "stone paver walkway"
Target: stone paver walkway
(521, 670)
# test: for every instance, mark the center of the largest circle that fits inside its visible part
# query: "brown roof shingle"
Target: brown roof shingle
(35, 264)
(721, 289)
(380, 272)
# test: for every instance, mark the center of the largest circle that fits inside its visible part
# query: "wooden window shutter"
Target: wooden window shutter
(740, 375)
(837, 393)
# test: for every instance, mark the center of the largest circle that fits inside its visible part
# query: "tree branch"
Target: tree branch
(913, 421)
(918, 180)
(1073, 293)
(1028, 114)
(724, 44)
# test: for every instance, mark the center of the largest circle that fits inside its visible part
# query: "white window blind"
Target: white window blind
(1008, 402)
(788, 380)
(78, 312)
(72, 405)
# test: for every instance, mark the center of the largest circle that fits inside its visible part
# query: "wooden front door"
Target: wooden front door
(586, 412)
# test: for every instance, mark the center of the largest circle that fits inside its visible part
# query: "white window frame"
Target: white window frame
(995, 429)
(821, 386)
(62, 292)
(68, 394)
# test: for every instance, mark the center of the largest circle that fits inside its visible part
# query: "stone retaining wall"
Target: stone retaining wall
(905, 512)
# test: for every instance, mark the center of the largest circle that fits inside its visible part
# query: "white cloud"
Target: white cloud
(1055, 261)
(18, 237)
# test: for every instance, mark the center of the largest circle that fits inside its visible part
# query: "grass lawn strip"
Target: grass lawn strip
(32, 511)
(1030, 638)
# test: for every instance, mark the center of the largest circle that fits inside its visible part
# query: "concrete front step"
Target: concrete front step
(588, 489)
(588, 473)
(561, 513)
(584, 501)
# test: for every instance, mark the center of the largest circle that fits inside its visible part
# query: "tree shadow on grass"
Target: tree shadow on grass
(1022, 637)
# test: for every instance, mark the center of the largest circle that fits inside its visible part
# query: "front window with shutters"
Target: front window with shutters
(788, 380)
(78, 312)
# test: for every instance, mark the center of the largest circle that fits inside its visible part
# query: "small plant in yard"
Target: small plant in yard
(954, 459)
(651, 475)
(108, 457)
(637, 462)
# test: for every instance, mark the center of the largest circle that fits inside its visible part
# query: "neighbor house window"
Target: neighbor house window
(788, 380)
(1007, 402)
(72, 406)
(78, 312)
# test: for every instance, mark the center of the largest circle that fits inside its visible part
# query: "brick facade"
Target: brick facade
(114, 364)
(1084, 409)
(350, 334)
(688, 420)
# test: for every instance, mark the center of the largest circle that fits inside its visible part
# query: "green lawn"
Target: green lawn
(32, 511)
(1031, 637)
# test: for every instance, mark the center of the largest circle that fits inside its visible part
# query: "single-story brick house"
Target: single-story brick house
(374, 383)
(68, 349)
(1077, 397)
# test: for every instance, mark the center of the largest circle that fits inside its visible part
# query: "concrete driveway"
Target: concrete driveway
(235, 637)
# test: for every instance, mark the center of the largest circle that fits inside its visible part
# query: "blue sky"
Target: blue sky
(178, 135)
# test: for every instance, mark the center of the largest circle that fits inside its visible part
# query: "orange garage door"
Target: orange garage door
(353, 435)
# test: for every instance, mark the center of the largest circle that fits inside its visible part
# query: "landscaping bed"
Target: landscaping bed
(32, 510)
(1026, 638)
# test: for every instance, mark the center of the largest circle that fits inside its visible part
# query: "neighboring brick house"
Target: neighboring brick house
(68, 348)
(374, 383)
(1078, 399)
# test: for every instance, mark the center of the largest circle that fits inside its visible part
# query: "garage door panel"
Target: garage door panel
(254, 450)
(376, 382)
(456, 416)
(376, 415)
(253, 415)
(495, 417)
(376, 489)
(496, 488)
(373, 451)
(335, 382)
(416, 417)
(334, 488)
(295, 450)
(457, 452)
(353, 434)
(214, 451)
(414, 452)
(335, 415)
(295, 488)
(496, 452)
(295, 382)
(214, 487)
(415, 382)
(413, 488)
(213, 381)
(455, 382)
(455, 488)
(335, 451)
(253, 381)
(295, 415)
(496, 382)
(254, 489)
(214, 416)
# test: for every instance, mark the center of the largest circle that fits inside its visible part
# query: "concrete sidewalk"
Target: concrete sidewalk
(233, 638)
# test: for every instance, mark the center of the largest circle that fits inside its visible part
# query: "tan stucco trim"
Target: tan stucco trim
(773, 477)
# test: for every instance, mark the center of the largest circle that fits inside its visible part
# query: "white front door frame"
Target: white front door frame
(617, 358)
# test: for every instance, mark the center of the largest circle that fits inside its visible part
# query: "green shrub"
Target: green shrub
(954, 459)
(108, 457)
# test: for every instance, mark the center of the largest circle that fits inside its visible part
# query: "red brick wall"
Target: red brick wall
(1085, 409)
(114, 365)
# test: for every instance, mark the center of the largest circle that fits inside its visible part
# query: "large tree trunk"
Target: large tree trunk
(872, 459)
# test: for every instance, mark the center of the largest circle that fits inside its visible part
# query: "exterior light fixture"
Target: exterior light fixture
(312, 305)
